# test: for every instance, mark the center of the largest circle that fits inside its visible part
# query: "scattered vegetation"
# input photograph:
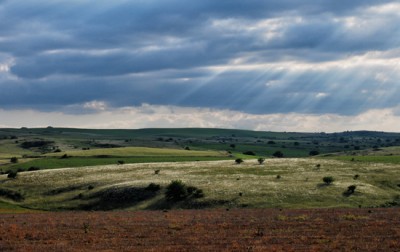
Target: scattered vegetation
(177, 191)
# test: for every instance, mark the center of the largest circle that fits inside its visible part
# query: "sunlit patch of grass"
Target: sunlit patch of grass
(248, 184)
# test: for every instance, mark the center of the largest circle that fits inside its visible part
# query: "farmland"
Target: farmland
(51, 177)
(205, 230)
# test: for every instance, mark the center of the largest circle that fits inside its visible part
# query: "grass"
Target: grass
(107, 156)
(370, 159)
(225, 184)
(56, 162)
(138, 151)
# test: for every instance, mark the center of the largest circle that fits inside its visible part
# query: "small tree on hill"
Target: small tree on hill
(12, 174)
(351, 189)
(176, 191)
(261, 160)
(328, 180)
(239, 161)
(278, 154)
(14, 160)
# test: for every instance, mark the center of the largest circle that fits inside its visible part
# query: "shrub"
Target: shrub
(328, 180)
(261, 160)
(351, 189)
(313, 153)
(12, 174)
(176, 191)
(64, 156)
(356, 177)
(120, 162)
(33, 168)
(239, 161)
(14, 160)
(153, 187)
(251, 153)
(278, 176)
(198, 193)
(195, 192)
(278, 154)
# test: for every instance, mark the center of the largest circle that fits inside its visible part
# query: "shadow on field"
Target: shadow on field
(117, 198)
(127, 197)
(323, 185)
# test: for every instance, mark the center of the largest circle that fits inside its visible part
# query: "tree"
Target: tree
(14, 160)
(261, 160)
(278, 154)
(12, 174)
(176, 191)
(351, 189)
(313, 153)
(239, 161)
(328, 180)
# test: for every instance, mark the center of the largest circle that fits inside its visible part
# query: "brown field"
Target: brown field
(204, 230)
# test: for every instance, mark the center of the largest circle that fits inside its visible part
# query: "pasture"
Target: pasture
(277, 183)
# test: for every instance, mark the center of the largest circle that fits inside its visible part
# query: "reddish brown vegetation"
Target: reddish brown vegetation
(204, 230)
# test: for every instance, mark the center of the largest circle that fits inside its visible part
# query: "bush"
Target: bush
(176, 191)
(239, 161)
(14, 160)
(328, 180)
(313, 153)
(33, 168)
(278, 154)
(12, 174)
(351, 189)
(251, 153)
(120, 162)
(153, 187)
(261, 160)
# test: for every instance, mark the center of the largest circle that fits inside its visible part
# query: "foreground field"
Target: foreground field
(204, 230)
(277, 183)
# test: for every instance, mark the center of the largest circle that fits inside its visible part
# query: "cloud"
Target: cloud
(147, 115)
(253, 57)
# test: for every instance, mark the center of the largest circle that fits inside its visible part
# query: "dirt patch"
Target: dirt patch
(204, 230)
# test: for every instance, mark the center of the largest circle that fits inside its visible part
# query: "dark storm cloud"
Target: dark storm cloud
(59, 53)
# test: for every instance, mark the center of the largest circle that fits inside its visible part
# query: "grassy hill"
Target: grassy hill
(105, 165)
(278, 183)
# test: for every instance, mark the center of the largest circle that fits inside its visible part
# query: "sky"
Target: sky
(288, 65)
